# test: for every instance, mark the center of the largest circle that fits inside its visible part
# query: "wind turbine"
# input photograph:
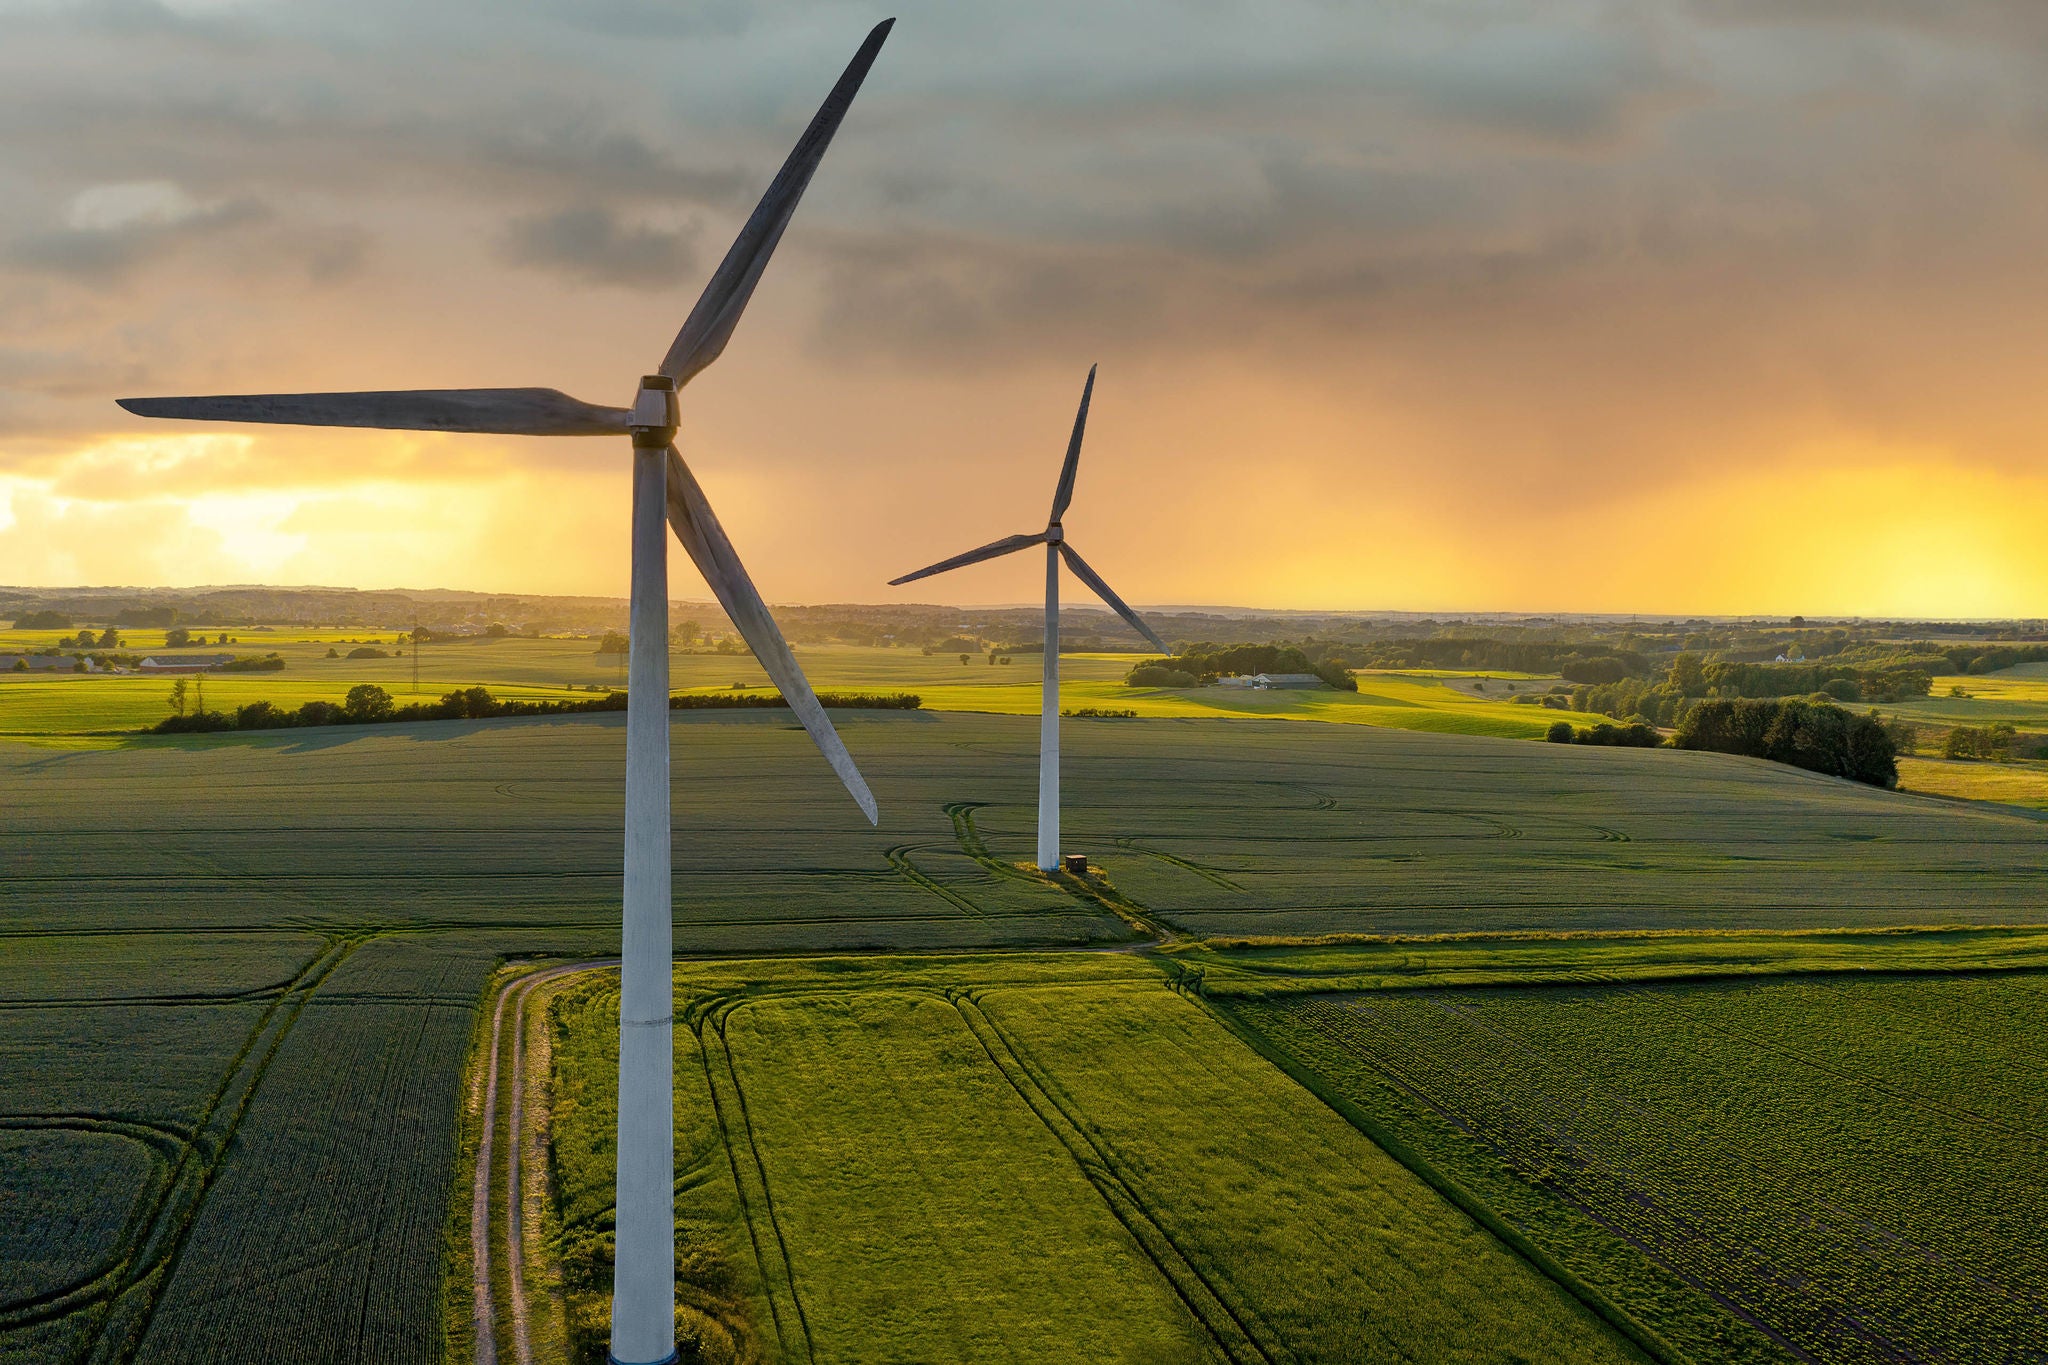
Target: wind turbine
(643, 1280)
(1056, 548)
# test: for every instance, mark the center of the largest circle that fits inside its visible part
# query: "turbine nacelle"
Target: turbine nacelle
(655, 412)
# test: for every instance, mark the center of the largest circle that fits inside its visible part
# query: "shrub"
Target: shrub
(1560, 732)
(261, 715)
(1594, 671)
(367, 652)
(1821, 738)
(1619, 736)
(1159, 675)
(1980, 742)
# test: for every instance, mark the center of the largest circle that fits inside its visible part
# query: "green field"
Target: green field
(1054, 1158)
(2015, 784)
(1837, 1161)
(85, 704)
(239, 979)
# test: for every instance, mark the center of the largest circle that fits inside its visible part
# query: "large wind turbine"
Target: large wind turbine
(643, 1279)
(1056, 548)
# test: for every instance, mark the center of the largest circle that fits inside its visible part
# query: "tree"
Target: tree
(333, 653)
(1157, 675)
(1560, 732)
(964, 658)
(497, 630)
(367, 702)
(110, 638)
(1689, 675)
(177, 638)
(180, 691)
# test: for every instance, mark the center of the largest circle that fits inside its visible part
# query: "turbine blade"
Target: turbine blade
(993, 550)
(718, 309)
(697, 527)
(1065, 494)
(511, 412)
(1103, 591)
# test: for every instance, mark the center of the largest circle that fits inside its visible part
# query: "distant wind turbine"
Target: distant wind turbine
(643, 1277)
(1056, 548)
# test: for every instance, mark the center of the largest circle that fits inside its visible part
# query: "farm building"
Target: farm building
(43, 663)
(183, 663)
(1271, 680)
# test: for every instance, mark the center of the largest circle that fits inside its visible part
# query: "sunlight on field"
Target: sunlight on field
(2015, 784)
(69, 704)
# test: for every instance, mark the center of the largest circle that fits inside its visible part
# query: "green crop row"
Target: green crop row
(1845, 1163)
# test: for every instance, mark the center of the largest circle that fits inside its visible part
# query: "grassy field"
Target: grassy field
(1845, 1164)
(83, 704)
(2015, 784)
(238, 974)
(1052, 1159)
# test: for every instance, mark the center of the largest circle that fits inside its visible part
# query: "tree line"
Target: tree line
(1817, 736)
(369, 704)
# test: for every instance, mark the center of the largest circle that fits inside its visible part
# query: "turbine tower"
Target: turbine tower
(1054, 538)
(643, 1282)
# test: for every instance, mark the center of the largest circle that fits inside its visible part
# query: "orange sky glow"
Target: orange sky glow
(1580, 306)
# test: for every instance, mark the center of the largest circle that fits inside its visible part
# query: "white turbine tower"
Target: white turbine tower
(643, 1283)
(1056, 548)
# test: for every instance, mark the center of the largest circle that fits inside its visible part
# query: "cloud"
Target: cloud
(111, 229)
(593, 245)
(1555, 265)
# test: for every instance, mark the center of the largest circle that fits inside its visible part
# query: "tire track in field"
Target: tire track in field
(961, 813)
(1207, 874)
(484, 1314)
(709, 1023)
(169, 1224)
(1226, 1327)
(899, 858)
(163, 1143)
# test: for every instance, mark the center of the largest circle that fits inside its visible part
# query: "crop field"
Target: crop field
(2016, 695)
(1055, 1158)
(1850, 1166)
(1240, 829)
(2015, 784)
(75, 705)
(239, 974)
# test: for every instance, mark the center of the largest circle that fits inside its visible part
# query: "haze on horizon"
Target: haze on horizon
(1696, 306)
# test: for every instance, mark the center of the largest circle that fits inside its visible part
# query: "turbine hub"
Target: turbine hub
(1054, 534)
(654, 419)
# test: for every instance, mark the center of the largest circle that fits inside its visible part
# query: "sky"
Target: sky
(1693, 306)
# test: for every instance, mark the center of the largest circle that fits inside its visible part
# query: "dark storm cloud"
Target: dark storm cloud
(591, 244)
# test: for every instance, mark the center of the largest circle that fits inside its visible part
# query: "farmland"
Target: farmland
(1047, 1158)
(1832, 1159)
(239, 978)
(528, 669)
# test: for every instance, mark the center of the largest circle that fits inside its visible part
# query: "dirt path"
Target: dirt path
(514, 992)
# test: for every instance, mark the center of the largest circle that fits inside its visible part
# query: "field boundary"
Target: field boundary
(169, 1223)
(1613, 1314)
(780, 1279)
(1225, 1325)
